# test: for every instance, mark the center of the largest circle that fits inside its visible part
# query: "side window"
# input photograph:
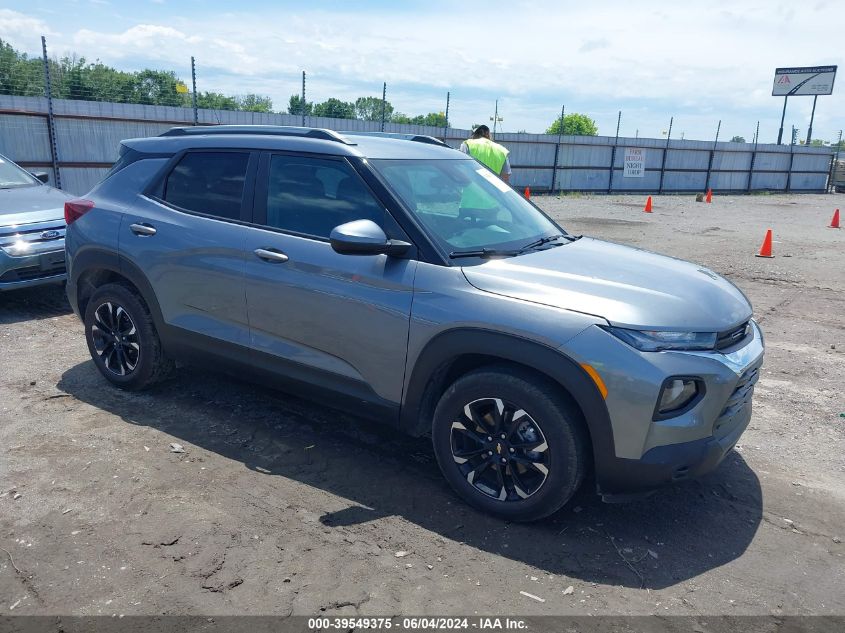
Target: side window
(208, 182)
(314, 195)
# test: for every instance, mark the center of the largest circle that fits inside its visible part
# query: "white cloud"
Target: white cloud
(22, 30)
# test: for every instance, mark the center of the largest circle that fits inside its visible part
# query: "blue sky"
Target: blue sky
(699, 62)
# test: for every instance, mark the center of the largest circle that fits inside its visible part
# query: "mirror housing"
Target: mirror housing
(365, 237)
(43, 176)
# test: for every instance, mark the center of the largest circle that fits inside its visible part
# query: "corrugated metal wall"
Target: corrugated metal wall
(88, 135)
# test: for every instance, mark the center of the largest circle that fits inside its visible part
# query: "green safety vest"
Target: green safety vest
(491, 155)
(488, 153)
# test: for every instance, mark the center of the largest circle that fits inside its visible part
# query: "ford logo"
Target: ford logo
(50, 235)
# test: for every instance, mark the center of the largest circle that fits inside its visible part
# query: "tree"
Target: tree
(574, 125)
(297, 106)
(432, 119)
(254, 103)
(335, 109)
(215, 101)
(157, 87)
(369, 109)
(20, 75)
(738, 139)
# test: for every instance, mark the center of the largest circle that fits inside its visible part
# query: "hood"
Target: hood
(25, 205)
(626, 286)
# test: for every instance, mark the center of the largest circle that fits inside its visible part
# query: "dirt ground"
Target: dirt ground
(278, 506)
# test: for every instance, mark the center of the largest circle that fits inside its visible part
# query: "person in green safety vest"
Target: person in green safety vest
(487, 152)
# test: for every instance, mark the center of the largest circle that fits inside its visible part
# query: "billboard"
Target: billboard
(809, 80)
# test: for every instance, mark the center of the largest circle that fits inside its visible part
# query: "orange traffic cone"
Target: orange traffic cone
(709, 197)
(527, 193)
(766, 248)
(647, 208)
(834, 222)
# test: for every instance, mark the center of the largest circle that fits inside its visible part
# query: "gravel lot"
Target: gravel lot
(279, 506)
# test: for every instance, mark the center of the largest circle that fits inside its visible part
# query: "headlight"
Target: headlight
(658, 340)
(677, 395)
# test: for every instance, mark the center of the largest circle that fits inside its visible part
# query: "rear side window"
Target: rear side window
(208, 182)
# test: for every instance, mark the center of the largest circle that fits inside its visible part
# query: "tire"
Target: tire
(122, 338)
(543, 432)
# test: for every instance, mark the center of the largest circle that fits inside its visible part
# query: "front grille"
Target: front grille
(739, 398)
(31, 239)
(733, 337)
(29, 273)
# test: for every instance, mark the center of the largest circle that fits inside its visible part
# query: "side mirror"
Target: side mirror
(364, 237)
(43, 176)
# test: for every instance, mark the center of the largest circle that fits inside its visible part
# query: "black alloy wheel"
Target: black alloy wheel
(115, 338)
(500, 449)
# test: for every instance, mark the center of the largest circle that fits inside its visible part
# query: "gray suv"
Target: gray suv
(399, 279)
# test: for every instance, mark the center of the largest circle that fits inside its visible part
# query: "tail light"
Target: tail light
(75, 209)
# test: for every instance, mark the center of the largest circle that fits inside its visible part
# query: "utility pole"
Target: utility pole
(613, 153)
(812, 116)
(51, 122)
(557, 147)
(446, 127)
(496, 118)
(194, 93)
(302, 105)
(782, 117)
(665, 152)
(383, 104)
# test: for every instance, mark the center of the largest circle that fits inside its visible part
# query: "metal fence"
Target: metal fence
(87, 135)
(76, 139)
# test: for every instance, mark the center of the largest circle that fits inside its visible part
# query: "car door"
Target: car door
(187, 236)
(339, 321)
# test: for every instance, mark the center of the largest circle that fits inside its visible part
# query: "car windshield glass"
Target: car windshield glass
(13, 176)
(465, 206)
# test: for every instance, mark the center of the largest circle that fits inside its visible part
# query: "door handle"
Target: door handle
(142, 229)
(271, 255)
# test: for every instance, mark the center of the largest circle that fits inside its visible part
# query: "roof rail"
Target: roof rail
(418, 138)
(267, 130)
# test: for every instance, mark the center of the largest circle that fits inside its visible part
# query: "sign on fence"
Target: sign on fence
(810, 80)
(634, 162)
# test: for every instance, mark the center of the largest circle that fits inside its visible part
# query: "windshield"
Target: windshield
(465, 206)
(13, 176)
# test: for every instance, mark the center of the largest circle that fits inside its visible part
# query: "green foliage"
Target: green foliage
(738, 139)
(433, 119)
(216, 101)
(20, 75)
(335, 109)
(254, 103)
(369, 109)
(574, 125)
(817, 142)
(75, 78)
(297, 106)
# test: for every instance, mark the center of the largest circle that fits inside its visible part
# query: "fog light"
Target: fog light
(677, 393)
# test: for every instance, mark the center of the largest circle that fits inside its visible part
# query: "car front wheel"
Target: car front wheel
(509, 443)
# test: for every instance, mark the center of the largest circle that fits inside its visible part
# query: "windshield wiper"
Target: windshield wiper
(545, 240)
(484, 253)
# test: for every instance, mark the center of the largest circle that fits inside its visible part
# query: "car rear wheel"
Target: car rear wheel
(509, 443)
(122, 338)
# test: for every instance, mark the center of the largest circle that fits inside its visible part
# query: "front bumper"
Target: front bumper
(672, 463)
(43, 267)
(651, 453)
